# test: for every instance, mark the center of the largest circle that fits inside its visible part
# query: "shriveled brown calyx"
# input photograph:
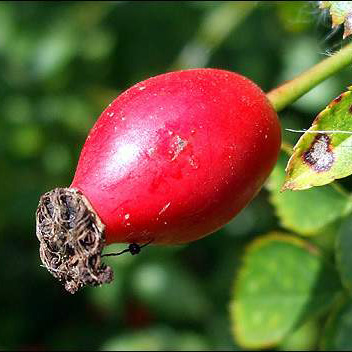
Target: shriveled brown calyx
(71, 239)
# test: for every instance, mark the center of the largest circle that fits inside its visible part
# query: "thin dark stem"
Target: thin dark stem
(127, 249)
(118, 253)
(146, 244)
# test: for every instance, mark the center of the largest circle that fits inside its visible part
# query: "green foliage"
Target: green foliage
(160, 285)
(61, 64)
(160, 338)
(302, 339)
(282, 281)
(343, 253)
(306, 212)
(337, 335)
(324, 152)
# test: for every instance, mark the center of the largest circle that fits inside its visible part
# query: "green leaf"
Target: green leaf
(337, 335)
(302, 339)
(283, 281)
(306, 212)
(341, 12)
(343, 253)
(324, 152)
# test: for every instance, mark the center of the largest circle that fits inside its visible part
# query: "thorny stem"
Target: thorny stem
(290, 91)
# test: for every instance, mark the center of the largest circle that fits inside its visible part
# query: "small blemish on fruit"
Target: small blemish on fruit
(319, 156)
(123, 118)
(350, 109)
(178, 145)
(164, 208)
(127, 216)
(193, 162)
(142, 88)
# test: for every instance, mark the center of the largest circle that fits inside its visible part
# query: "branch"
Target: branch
(290, 91)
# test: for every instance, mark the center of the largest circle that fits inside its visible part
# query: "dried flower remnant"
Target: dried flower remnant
(71, 251)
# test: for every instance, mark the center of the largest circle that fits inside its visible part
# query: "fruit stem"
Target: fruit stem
(292, 90)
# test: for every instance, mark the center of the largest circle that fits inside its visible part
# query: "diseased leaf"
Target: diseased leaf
(341, 12)
(283, 281)
(343, 253)
(324, 152)
(309, 211)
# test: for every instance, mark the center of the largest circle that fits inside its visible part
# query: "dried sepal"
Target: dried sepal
(71, 239)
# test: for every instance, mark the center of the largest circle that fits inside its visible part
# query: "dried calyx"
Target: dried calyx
(71, 239)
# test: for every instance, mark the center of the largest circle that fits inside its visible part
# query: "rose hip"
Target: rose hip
(171, 160)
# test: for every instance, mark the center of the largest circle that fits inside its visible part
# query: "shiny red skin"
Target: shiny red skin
(177, 156)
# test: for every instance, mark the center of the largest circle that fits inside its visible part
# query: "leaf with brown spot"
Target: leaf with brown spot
(307, 213)
(324, 152)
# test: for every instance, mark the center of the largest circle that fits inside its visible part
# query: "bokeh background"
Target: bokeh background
(61, 63)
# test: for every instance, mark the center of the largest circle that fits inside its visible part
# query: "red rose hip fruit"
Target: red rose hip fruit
(171, 160)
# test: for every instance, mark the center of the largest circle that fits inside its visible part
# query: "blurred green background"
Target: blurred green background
(61, 63)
